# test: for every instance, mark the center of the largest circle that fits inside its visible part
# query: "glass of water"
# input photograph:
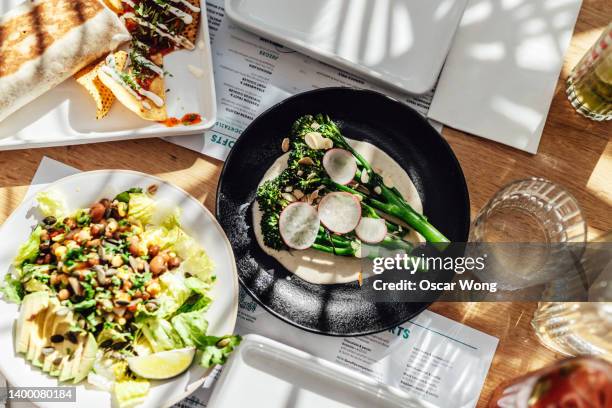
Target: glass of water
(521, 227)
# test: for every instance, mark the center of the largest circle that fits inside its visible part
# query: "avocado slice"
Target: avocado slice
(87, 359)
(62, 321)
(47, 330)
(73, 359)
(31, 306)
(36, 336)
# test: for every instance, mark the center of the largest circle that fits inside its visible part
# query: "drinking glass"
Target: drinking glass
(522, 229)
(575, 328)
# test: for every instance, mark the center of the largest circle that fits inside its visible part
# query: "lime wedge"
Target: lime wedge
(162, 365)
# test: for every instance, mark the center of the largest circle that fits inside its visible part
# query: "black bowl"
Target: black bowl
(340, 309)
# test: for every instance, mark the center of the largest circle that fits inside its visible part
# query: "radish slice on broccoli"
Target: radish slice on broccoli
(299, 225)
(340, 212)
(371, 230)
(340, 164)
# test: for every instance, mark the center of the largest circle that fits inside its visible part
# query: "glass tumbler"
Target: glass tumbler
(521, 227)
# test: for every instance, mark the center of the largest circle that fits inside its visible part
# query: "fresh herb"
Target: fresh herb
(139, 281)
(85, 305)
(76, 254)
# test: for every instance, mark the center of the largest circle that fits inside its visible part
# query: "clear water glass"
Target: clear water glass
(535, 214)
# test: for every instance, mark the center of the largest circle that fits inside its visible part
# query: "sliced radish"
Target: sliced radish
(340, 164)
(299, 225)
(340, 212)
(371, 230)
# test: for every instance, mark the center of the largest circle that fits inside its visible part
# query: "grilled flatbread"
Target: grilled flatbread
(44, 42)
(191, 30)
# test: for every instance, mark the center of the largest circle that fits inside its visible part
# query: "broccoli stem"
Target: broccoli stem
(396, 207)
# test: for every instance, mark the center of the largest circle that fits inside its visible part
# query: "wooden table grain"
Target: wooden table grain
(574, 152)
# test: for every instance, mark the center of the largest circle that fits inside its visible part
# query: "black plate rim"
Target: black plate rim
(419, 117)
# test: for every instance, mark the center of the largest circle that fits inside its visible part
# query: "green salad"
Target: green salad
(115, 294)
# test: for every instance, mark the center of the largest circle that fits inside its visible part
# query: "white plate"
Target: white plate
(282, 376)
(81, 190)
(67, 114)
(399, 43)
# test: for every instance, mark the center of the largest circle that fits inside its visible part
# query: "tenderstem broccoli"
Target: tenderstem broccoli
(305, 173)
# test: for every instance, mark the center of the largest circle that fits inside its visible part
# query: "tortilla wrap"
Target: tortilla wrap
(44, 42)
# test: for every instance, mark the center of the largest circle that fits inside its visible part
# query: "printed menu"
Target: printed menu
(252, 74)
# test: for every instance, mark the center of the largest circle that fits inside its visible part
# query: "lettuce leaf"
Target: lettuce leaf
(141, 207)
(131, 393)
(11, 290)
(219, 351)
(160, 334)
(28, 251)
(174, 292)
(199, 300)
(192, 328)
(195, 259)
(51, 203)
(161, 236)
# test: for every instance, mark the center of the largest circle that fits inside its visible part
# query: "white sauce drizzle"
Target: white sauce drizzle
(149, 64)
(136, 90)
(187, 4)
(160, 29)
(111, 70)
(187, 19)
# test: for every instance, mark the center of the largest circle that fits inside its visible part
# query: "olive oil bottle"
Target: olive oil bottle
(589, 86)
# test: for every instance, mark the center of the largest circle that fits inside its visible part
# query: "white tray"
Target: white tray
(66, 114)
(265, 371)
(399, 43)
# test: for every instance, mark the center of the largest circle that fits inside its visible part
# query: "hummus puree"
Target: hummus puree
(322, 268)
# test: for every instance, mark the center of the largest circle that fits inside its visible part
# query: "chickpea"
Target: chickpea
(54, 279)
(95, 230)
(44, 235)
(111, 226)
(127, 285)
(97, 212)
(158, 265)
(63, 294)
(60, 251)
(117, 261)
(134, 248)
(153, 288)
(93, 243)
(63, 279)
(93, 260)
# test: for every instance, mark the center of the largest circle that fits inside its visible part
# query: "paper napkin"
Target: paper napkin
(500, 75)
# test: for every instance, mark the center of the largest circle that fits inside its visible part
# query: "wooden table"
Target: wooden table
(574, 152)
